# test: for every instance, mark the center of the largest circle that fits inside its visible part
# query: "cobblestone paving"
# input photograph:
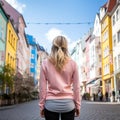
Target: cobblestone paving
(89, 111)
(100, 111)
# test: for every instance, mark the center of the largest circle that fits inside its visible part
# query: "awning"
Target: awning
(90, 85)
(95, 82)
(90, 82)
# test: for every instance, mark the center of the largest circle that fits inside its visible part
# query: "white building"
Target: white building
(116, 45)
(77, 55)
(95, 57)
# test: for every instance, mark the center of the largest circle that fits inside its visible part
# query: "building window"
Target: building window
(32, 65)
(117, 15)
(115, 63)
(113, 20)
(119, 60)
(9, 36)
(105, 36)
(106, 51)
(100, 71)
(0, 32)
(118, 36)
(11, 39)
(100, 57)
(18, 63)
(104, 25)
(14, 42)
(106, 69)
(114, 40)
(32, 56)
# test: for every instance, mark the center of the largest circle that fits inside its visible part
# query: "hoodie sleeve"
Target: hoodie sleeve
(76, 87)
(42, 87)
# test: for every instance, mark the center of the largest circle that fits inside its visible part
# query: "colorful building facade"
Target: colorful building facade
(115, 20)
(22, 45)
(33, 57)
(11, 46)
(3, 30)
(107, 48)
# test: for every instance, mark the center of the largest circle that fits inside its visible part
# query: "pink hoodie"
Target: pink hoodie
(58, 85)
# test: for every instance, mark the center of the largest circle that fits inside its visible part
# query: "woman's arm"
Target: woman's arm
(76, 89)
(42, 87)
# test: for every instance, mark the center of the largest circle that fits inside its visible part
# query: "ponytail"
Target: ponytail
(59, 52)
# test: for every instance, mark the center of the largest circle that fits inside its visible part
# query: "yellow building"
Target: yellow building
(11, 46)
(107, 53)
(106, 45)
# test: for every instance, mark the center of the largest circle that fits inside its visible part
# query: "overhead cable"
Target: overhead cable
(60, 23)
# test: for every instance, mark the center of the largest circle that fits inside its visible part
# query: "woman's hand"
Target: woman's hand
(77, 112)
(42, 113)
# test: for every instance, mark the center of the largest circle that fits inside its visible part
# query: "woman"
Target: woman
(59, 84)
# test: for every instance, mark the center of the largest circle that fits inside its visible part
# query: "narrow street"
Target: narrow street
(89, 111)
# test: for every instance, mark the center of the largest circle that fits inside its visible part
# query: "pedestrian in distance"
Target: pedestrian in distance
(106, 96)
(100, 95)
(59, 84)
(113, 95)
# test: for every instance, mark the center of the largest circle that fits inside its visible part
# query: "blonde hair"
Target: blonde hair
(59, 52)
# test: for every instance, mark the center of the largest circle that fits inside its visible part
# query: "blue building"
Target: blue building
(33, 57)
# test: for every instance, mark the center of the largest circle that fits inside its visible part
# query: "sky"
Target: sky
(79, 14)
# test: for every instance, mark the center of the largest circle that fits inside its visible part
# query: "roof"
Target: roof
(111, 4)
(40, 48)
(13, 13)
(3, 11)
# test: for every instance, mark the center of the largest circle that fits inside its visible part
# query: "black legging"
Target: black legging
(49, 115)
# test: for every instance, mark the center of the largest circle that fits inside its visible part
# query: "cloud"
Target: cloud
(53, 32)
(18, 6)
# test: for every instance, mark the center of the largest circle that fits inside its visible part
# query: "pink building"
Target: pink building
(23, 52)
(87, 54)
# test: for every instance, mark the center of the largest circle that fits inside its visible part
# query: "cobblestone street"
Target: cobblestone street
(89, 111)
(100, 111)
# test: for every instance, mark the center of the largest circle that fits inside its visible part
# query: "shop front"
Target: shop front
(107, 89)
(117, 86)
(94, 86)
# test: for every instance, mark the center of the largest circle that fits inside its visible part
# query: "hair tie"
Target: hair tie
(59, 47)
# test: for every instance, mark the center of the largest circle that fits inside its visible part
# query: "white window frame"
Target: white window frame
(118, 36)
